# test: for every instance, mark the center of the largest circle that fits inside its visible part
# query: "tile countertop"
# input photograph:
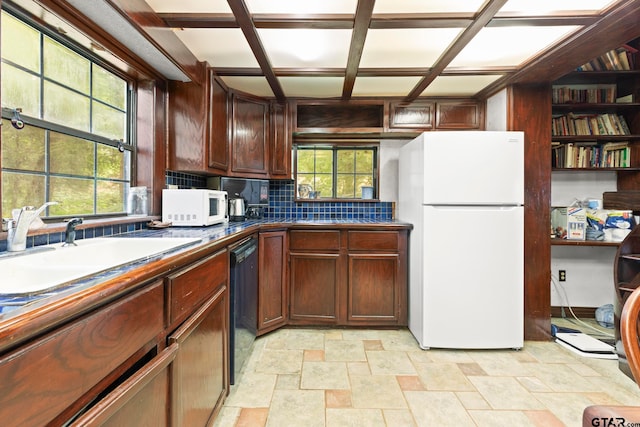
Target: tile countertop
(12, 306)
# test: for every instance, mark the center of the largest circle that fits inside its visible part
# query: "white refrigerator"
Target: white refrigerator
(463, 191)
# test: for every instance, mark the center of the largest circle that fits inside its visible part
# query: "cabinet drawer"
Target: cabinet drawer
(386, 241)
(40, 380)
(190, 287)
(314, 240)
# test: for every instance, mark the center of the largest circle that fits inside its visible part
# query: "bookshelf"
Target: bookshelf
(596, 123)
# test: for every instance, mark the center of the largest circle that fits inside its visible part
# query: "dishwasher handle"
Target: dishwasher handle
(243, 250)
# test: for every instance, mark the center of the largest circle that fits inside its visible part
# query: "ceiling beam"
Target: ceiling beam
(358, 37)
(484, 16)
(240, 11)
(362, 72)
(618, 26)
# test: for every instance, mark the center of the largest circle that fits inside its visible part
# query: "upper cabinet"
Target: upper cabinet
(280, 141)
(249, 136)
(198, 117)
(386, 118)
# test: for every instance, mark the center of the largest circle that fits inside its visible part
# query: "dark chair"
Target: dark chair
(592, 415)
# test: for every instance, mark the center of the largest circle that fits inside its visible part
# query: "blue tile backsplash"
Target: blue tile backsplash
(281, 205)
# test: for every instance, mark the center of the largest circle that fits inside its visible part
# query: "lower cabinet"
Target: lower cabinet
(272, 283)
(314, 295)
(51, 379)
(199, 373)
(140, 401)
(348, 277)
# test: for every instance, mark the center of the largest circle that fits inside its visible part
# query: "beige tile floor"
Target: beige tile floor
(355, 377)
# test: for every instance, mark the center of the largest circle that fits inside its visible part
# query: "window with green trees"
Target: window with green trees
(75, 146)
(334, 172)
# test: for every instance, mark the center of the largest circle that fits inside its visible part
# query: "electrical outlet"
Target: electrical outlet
(562, 275)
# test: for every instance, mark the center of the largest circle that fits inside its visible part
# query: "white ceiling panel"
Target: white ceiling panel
(302, 6)
(458, 85)
(539, 7)
(508, 46)
(254, 85)
(384, 86)
(306, 47)
(414, 47)
(427, 6)
(220, 47)
(190, 6)
(315, 87)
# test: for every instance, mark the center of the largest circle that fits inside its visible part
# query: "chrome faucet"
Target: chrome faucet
(17, 229)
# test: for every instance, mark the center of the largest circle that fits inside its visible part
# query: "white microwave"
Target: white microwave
(194, 207)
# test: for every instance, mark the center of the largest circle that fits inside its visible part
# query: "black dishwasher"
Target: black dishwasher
(243, 286)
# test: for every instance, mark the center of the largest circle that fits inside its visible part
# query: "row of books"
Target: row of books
(590, 155)
(583, 94)
(589, 124)
(620, 59)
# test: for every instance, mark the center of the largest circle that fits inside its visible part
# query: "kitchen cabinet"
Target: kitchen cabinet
(198, 116)
(218, 124)
(280, 141)
(316, 271)
(348, 277)
(199, 375)
(140, 401)
(55, 376)
(459, 115)
(249, 136)
(376, 277)
(273, 279)
(200, 379)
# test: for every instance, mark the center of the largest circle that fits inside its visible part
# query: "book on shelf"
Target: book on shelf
(590, 155)
(589, 124)
(584, 94)
(620, 59)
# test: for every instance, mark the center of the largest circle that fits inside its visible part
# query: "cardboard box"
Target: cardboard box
(569, 223)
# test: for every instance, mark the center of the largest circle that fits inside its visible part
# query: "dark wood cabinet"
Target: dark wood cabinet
(141, 401)
(459, 115)
(376, 277)
(199, 376)
(280, 141)
(408, 116)
(272, 288)
(249, 137)
(198, 132)
(219, 106)
(49, 380)
(347, 277)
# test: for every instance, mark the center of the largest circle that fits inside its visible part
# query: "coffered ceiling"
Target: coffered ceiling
(373, 48)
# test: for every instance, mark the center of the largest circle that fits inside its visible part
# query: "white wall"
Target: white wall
(589, 269)
(497, 111)
(389, 154)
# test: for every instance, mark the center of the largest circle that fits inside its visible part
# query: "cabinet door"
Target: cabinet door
(249, 139)
(51, 375)
(199, 379)
(140, 401)
(272, 290)
(218, 126)
(314, 285)
(459, 115)
(280, 142)
(373, 289)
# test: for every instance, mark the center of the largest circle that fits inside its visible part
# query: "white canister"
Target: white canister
(367, 192)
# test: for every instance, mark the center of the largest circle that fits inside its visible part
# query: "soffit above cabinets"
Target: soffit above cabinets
(369, 48)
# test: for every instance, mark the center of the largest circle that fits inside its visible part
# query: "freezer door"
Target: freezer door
(473, 275)
(474, 168)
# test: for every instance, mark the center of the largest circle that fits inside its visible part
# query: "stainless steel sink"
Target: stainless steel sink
(44, 270)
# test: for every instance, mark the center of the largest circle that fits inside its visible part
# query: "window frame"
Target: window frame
(335, 147)
(128, 145)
